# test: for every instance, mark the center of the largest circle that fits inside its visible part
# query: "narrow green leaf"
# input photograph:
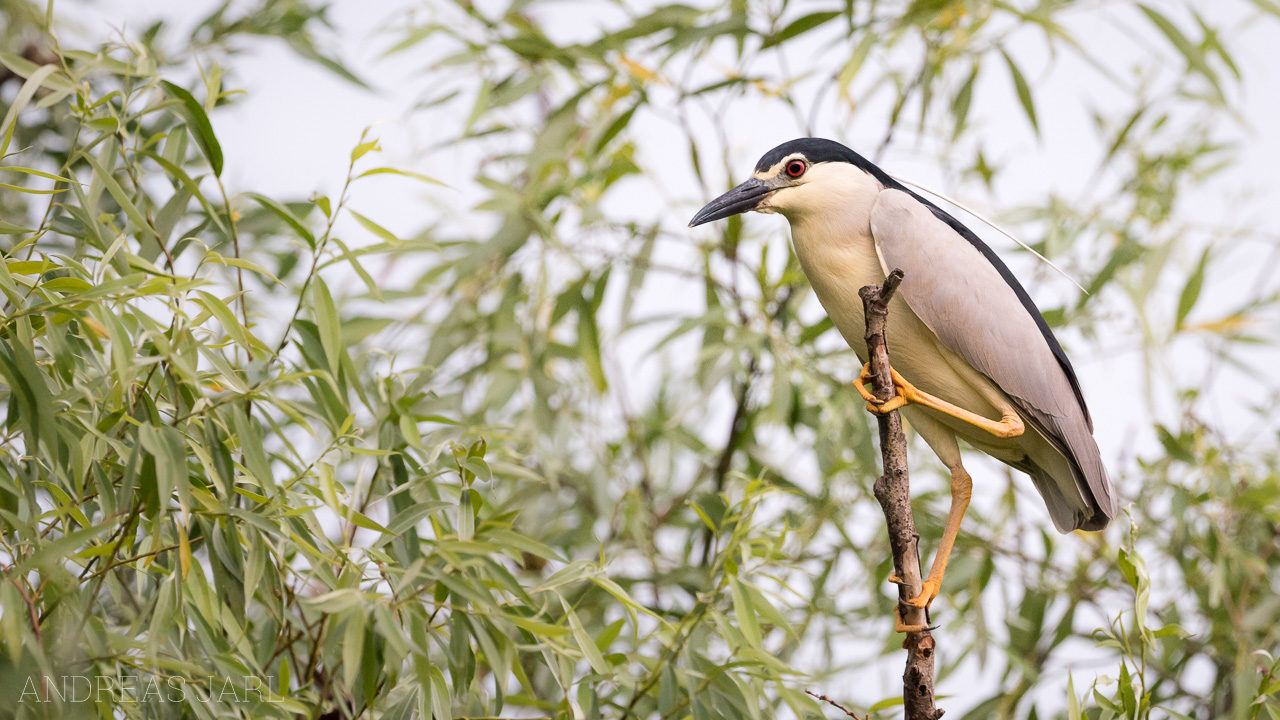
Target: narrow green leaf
(242, 264)
(1191, 52)
(8, 228)
(589, 346)
(402, 173)
(66, 285)
(963, 100)
(336, 601)
(34, 82)
(360, 150)
(352, 647)
(283, 686)
(746, 614)
(585, 642)
(198, 122)
(376, 229)
(288, 217)
(167, 447)
(119, 195)
(225, 317)
(466, 516)
(359, 519)
(31, 191)
(800, 26)
(326, 314)
(1024, 91)
(1191, 291)
(441, 706)
(37, 173)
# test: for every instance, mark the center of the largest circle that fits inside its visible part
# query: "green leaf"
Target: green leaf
(37, 173)
(34, 82)
(1191, 291)
(376, 229)
(1024, 91)
(361, 520)
(585, 642)
(615, 127)
(352, 647)
(119, 195)
(242, 264)
(1193, 54)
(326, 314)
(31, 191)
(403, 709)
(1073, 702)
(885, 704)
(403, 173)
(746, 614)
(441, 706)
(800, 26)
(360, 150)
(855, 62)
(198, 122)
(226, 318)
(166, 445)
(667, 691)
(466, 515)
(8, 228)
(963, 100)
(336, 601)
(288, 217)
(589, 346)
(66, 285)
(521, 543)
(479, 468)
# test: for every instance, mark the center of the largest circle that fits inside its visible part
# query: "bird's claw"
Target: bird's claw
(928, 591)
(875, 404)
(900, 627)
(893, 578)
(888, 406)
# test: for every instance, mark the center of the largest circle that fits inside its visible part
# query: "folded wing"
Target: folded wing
(975, 306)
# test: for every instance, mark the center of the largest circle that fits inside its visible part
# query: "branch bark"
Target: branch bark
(893, 491)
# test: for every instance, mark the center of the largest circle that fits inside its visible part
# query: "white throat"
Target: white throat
(830, 217)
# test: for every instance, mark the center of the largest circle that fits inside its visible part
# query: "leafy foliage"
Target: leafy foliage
(272, 468)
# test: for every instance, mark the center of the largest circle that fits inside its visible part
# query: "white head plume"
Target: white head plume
(992, 225)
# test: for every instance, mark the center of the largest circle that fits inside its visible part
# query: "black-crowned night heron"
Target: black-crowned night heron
(966, 342)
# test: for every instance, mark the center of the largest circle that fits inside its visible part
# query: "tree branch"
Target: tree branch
(838, 706)
(893, 490)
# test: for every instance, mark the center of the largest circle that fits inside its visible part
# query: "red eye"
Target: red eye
(796, 168)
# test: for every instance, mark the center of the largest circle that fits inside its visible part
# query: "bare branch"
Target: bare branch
(837, 705)
(893, 490)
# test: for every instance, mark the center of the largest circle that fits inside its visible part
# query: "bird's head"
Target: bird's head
(798, 178)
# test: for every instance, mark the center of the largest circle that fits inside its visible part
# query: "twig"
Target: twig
(893, 491)
(837, 705)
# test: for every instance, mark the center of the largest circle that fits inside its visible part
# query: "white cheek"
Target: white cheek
(767, 206)
(787, 200)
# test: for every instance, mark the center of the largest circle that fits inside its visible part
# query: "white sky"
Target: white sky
(291, 136)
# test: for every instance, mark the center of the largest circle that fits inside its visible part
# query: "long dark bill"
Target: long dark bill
(738, 200)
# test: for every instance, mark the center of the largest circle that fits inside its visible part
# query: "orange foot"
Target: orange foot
(928, 591)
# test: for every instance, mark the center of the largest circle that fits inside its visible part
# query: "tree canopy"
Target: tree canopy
(551, 454)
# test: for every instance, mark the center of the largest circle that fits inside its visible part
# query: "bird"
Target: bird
(972, 357)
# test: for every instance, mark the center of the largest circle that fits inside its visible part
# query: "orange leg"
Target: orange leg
(1009, 425)
(961, 491)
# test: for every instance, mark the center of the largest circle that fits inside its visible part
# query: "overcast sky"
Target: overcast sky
(291, 136)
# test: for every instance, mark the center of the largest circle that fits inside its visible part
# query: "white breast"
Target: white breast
(838, 255)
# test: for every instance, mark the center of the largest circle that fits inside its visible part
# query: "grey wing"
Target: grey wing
(966, 301)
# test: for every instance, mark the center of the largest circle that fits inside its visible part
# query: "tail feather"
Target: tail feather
(1072, 507)
(1073, 480)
